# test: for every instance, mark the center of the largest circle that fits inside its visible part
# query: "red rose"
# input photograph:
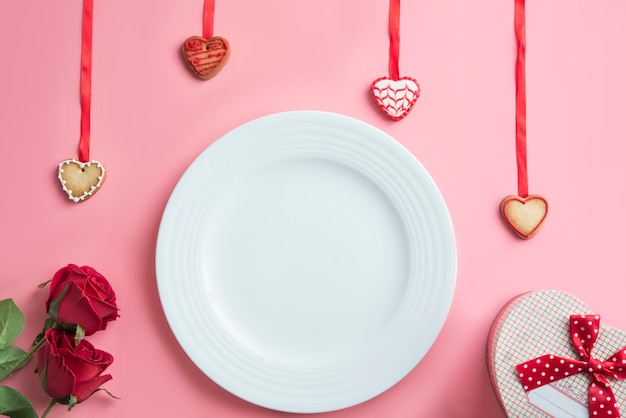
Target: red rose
(71, 372)
(82, 296)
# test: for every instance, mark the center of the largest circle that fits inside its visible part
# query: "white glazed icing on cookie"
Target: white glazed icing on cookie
(80, 180)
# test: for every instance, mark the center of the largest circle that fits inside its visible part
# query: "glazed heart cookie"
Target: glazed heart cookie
(549, 355)
(524, 215)
(206, 57)
(81, 180)
(395, 97)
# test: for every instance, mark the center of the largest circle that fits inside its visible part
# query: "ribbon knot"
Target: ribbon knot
(595, 366)
(548, 368)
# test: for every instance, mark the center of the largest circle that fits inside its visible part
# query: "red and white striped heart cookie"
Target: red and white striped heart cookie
(206, 57)
(395, 97)
(535, 324)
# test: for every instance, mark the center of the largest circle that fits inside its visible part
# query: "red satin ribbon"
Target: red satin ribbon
(85, 82)
(394, 39)
(520, 99)
(208, 18)
(548, 368)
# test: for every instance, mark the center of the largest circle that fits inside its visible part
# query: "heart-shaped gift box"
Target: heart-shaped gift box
(535, 324)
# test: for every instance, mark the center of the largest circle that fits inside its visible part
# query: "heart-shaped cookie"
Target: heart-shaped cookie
(395, 97)
(535, 324)
(524, 215)
(81, 180)
(206, 57)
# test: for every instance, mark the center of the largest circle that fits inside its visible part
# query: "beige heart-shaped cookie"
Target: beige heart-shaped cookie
(80, 180)
(524, 215)
(534, 324)
(206, 57)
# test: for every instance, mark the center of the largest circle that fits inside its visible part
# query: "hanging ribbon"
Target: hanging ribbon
(394, 39)
(523, 213)
(208, 18)
(81, 178)
(394, 95)
(548, 368)
(520, 99)
(85, 82)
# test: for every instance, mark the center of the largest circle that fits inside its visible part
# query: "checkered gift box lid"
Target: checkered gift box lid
(535, 324)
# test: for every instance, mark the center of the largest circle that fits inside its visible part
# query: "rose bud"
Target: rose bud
(81, 296)
(71, 372)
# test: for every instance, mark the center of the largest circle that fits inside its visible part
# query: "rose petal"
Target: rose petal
(84, 389)
(97, 291)
(75, 308)
(59, 381)
(84, 370)
(56, 285)
(102, 302)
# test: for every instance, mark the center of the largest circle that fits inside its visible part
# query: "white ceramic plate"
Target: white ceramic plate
(306, 261)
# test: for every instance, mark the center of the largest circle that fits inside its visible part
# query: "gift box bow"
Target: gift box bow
(548, 368)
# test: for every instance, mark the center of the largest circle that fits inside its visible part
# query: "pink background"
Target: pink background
(151, 118)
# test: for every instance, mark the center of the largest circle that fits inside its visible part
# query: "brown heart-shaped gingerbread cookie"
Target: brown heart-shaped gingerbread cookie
(81, 180)
(206, 57)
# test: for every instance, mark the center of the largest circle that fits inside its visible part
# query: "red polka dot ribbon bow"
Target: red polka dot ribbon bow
(549, 368)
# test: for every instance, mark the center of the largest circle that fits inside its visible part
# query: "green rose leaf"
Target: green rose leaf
(15, 405)
(11, 322)
(10, 359)
(53, 309)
